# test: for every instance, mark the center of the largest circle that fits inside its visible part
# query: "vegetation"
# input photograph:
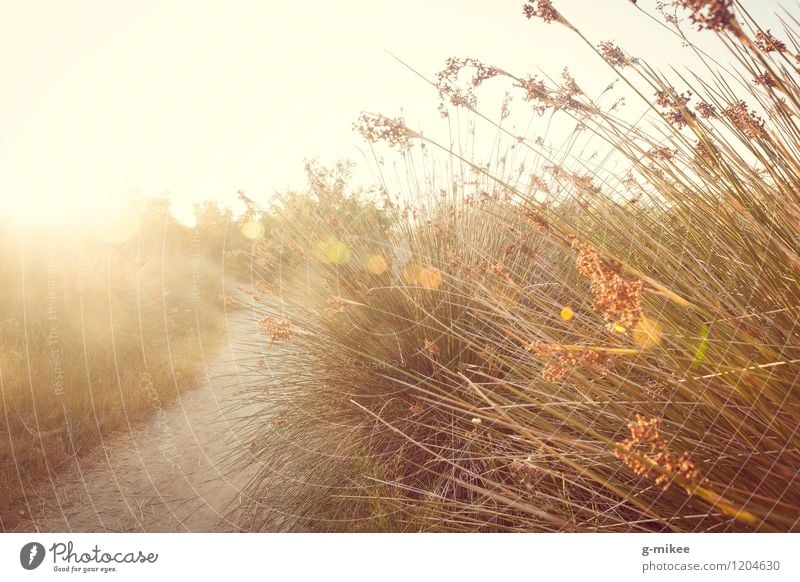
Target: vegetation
(550, 346)
(97, 333)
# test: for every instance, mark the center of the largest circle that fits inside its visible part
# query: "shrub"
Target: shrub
(564, 349)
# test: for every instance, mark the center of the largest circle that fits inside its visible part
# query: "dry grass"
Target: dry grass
(93, 337)
(556, 348)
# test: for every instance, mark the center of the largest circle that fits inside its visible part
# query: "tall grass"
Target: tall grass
(94, 336)
(553, 347)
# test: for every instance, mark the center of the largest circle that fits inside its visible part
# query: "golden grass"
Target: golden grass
(93, 338)
(447, 390)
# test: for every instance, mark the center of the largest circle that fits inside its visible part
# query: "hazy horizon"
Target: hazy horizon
(201, 101)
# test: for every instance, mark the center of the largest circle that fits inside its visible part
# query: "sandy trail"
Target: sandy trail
(170, 473)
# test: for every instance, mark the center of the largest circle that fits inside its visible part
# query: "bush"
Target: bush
(564, 350)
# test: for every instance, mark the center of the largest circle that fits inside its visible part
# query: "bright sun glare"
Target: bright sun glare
(114, 220)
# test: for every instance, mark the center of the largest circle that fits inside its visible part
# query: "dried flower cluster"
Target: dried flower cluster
(629, 181)
(617, 298)
(379, 128)
(334, 305)
(768, 43)
(709, 154)
(522, 243)
(674, 104)
(498, 270)
(705, 110)
(585, 183)
(614, 55)
(645, 434)
(456, 264)
(505, 107)
(539, 185)
(562, 360)
(765, 80)
(537, 219)
(430, 348)
(661, 7)
(541, 9)
(277, 329)
(483, 199)
(535, 92)
(713, 15)
(746, 121)
(448, 86)
(561, 98)
(662, 153)
(440, 230)
(566, 93)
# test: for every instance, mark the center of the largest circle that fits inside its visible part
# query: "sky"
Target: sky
(104, 100)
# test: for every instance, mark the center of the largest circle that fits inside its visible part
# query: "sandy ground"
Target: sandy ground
(169, 474)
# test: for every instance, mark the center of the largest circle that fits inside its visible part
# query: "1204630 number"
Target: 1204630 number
(765, 565)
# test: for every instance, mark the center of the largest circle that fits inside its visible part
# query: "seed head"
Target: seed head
(449, 87)
(541, 9)
(646, 443)
(535, 92)
(379, 128)
(431, 349)
(768, 43)
(746, 121)
(614, 55)
(765, 80)
(713, 15)
(709, 154)
(661, 153)
(705, 110)
(617, 298)
(277, 329)
(674, 104)
(561, 360)
(537, 219)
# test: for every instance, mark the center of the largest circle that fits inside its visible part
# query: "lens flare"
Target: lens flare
(701, 350)
(430, 278)
(377, 265)
(647, 333)
(334, 251)
(253, 230)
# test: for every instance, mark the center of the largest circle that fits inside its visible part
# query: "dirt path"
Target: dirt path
(170, 473)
